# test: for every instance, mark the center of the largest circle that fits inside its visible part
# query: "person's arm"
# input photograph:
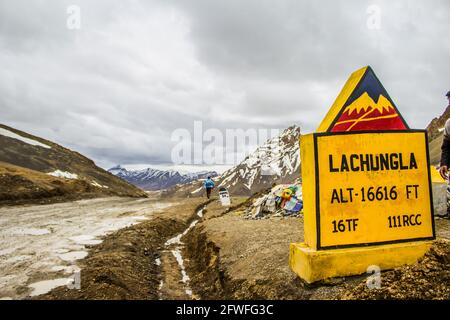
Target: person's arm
(445, 151)
(445, 157)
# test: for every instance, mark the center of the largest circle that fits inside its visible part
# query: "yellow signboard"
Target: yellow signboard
(366, 187)
(369, 192)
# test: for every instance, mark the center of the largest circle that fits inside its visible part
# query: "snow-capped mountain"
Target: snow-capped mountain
(277, 161)
(154, 179)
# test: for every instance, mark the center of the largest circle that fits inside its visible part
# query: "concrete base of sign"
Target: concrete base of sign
(312, 265)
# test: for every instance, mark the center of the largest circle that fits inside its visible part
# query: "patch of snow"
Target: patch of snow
(197, 190)
(18, 259)
(228, 179)
(297, 161)
(177, 254)
(60, 250)
(30, 232)
(85, 240)
(158, 261)
(7, 251)
(177, 239)
(66, 269)
(251, 179)
(43, 287)
(140, 218)
(98, 185)
(32, 142)
(63, 174)
(287, 164)
(73, 255)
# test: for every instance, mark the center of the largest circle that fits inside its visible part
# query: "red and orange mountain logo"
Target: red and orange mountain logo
(364, 114)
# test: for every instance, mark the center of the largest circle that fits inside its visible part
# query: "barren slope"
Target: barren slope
(25, 159)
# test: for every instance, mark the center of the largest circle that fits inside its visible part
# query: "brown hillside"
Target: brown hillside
(16, 154)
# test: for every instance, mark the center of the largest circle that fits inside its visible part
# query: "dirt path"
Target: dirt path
(41, 245)
(133, 262)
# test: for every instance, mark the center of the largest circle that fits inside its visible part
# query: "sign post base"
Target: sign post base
(314, 265)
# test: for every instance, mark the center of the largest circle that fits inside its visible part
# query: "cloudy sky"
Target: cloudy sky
(116, 88)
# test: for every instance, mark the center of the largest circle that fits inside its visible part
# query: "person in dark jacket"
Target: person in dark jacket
(445, 153)
(209, 186)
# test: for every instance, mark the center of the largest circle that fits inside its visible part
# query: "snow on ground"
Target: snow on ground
(197, 190)
(98, 185)
(63, 174)
(32, 142)
(176, 252)
(39, 245)
(45, 286)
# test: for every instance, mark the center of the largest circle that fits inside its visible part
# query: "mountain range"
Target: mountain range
(276, 161)
(153, 179)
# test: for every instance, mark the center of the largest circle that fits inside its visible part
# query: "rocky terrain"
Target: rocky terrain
(429, 278)
(436, 125)
(435, 132)
(33, 169)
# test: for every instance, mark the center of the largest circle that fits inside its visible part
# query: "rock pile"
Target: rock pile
(275, 203)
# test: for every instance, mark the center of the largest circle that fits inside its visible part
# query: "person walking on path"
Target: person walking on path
(209, 186)
(445, 152)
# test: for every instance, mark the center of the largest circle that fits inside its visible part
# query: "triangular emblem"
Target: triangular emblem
(363, 105)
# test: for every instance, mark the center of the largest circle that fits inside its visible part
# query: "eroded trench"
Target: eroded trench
(173, 261)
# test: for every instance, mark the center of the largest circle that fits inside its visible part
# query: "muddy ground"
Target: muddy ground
(190, 251)
(40, 245)
(125, 265)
